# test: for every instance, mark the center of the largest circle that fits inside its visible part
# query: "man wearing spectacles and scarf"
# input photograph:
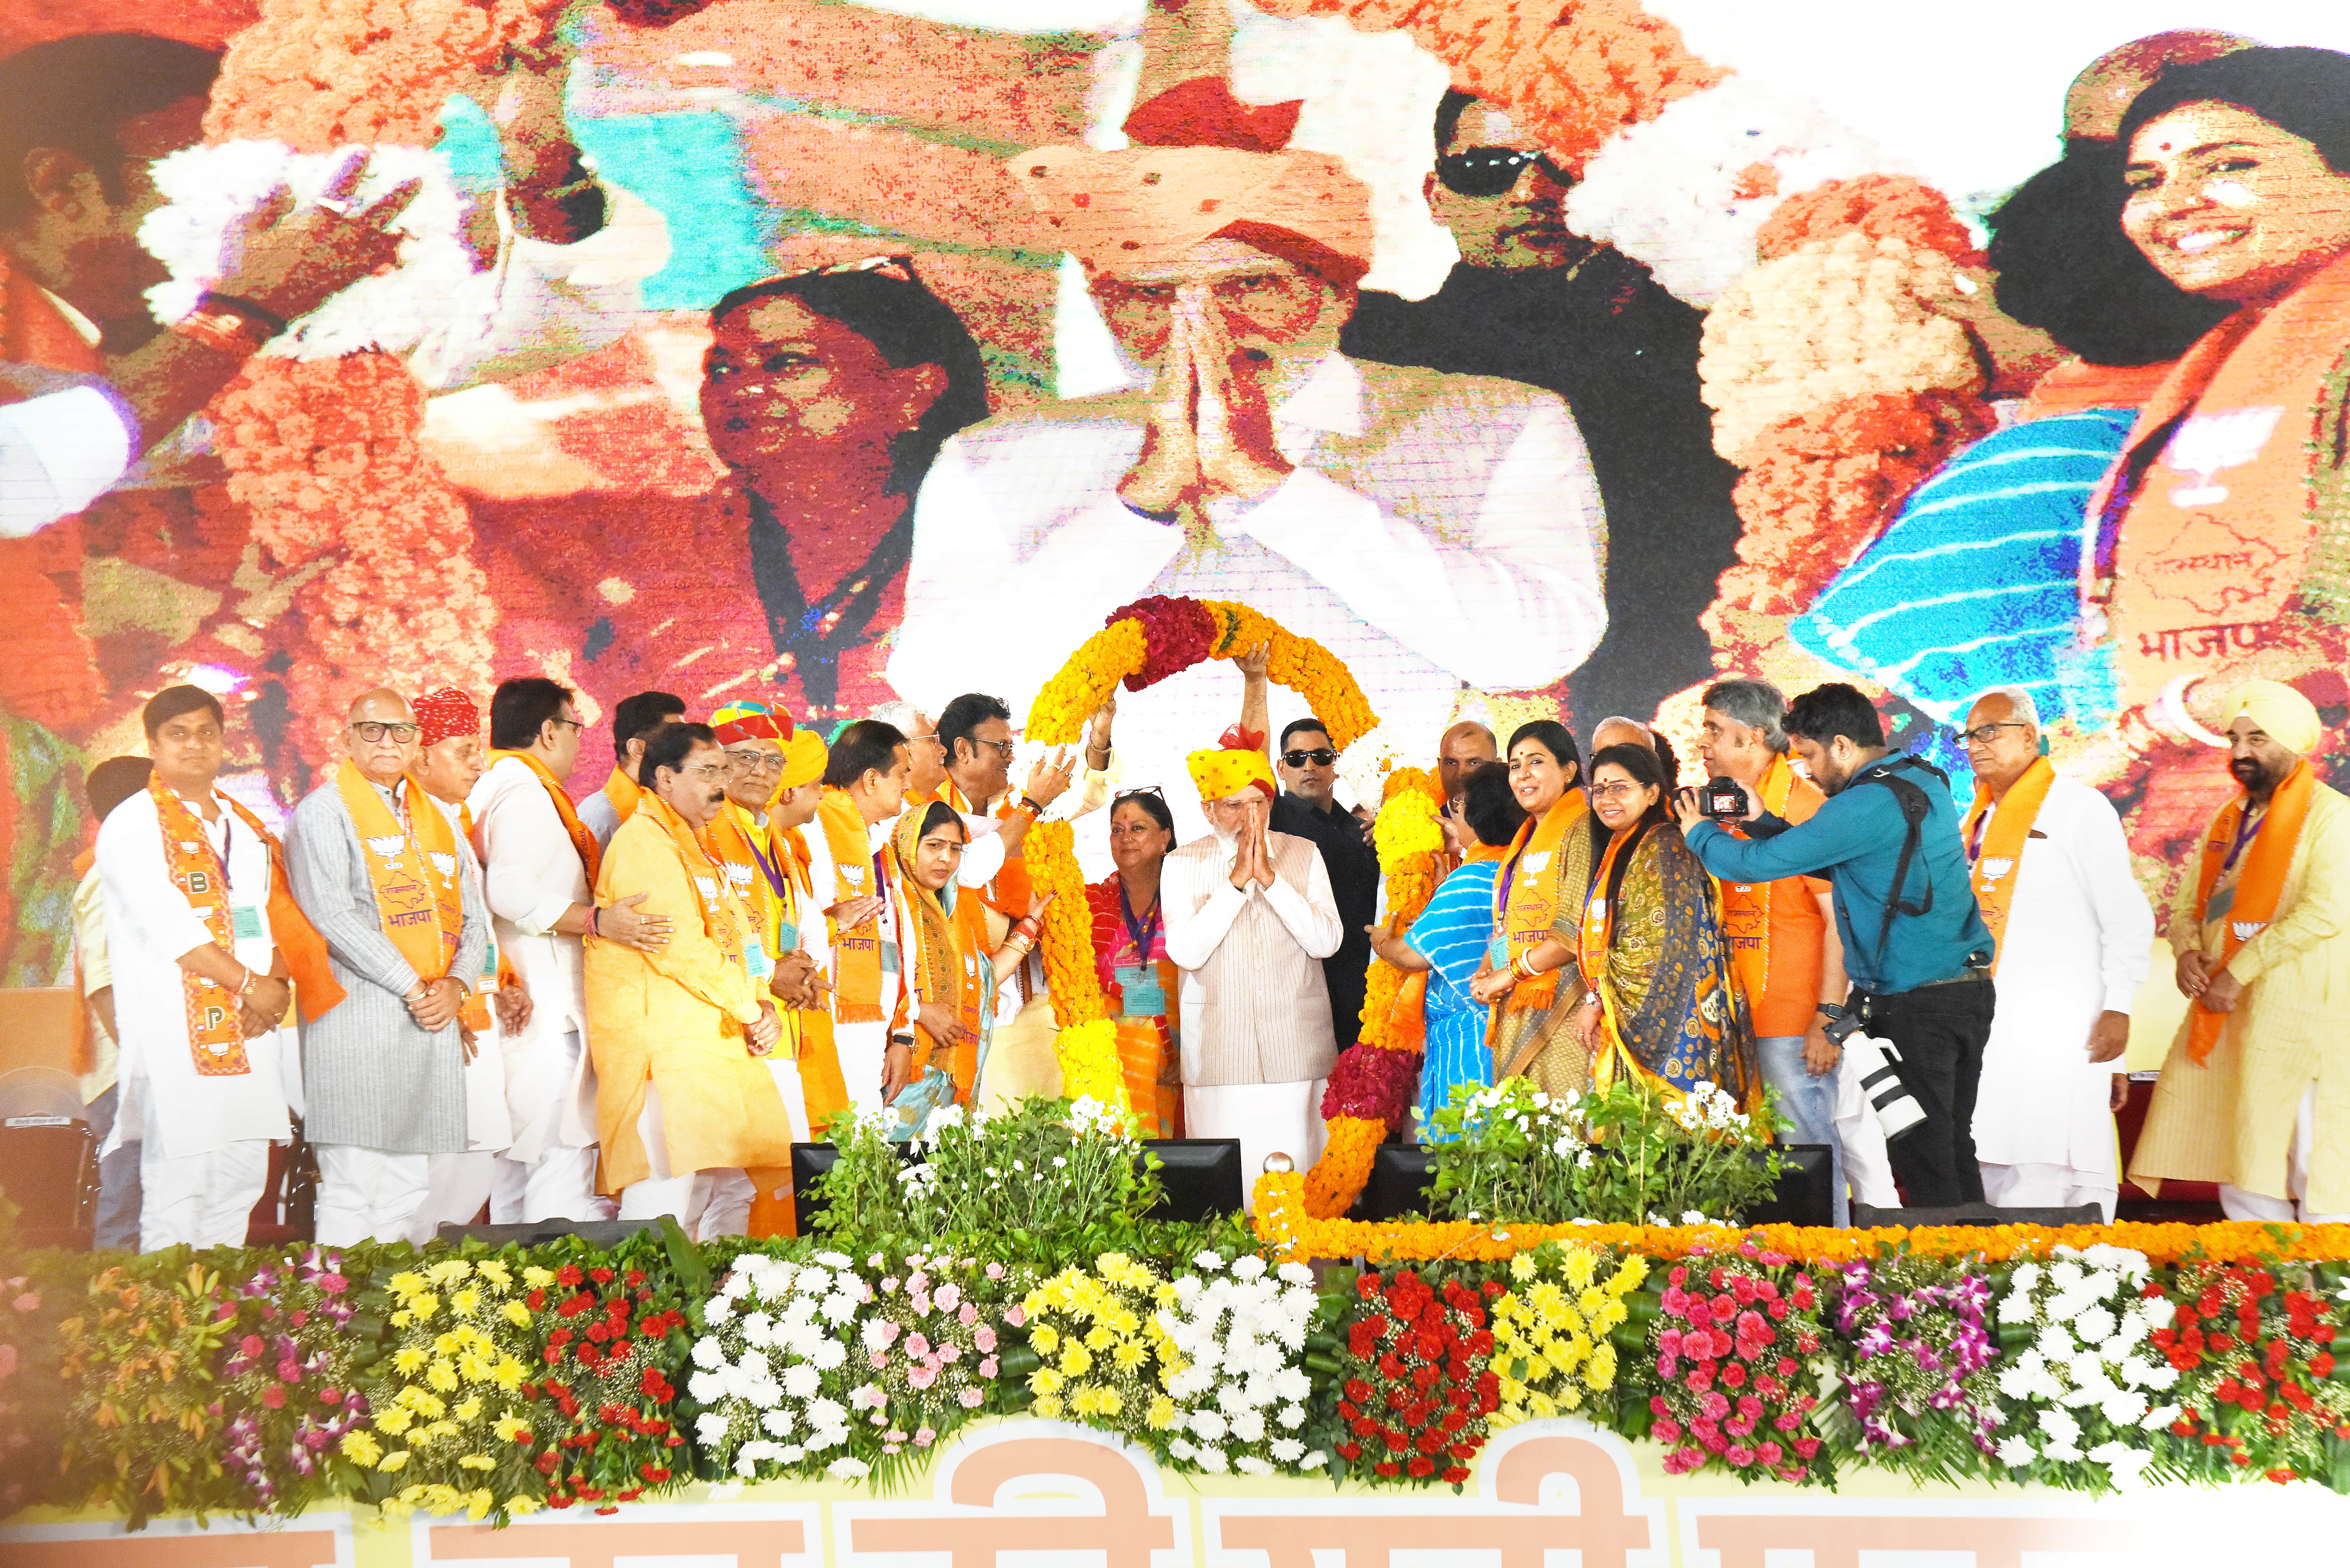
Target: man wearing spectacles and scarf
(374, 866)
(1533, 301)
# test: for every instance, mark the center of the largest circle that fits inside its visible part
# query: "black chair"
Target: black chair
(49, 1158)
(1402, 1176)
(1201, 1175)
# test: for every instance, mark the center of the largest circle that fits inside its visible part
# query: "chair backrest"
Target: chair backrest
(42, 1092)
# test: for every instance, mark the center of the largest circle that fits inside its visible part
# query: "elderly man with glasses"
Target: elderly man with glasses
(375, 864)
(1535, 302)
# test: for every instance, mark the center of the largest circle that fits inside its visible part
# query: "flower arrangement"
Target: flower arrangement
(1239, 1384)
(1419, 1387)
(930, 1338)
(20, 1302)
(452, 1418)
(144, 1428)
(1923, 1390)
(2261, 1386)
(2079, 1384)
(1550, 1331)
(772, 1367)
(291, 1381)
(1728, 1348)
(614, 1345)
(1094, 1336)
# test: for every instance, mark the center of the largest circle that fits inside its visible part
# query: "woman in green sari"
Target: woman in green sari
(1660, 1003)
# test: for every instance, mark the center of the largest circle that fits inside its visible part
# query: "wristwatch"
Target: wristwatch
(1832, 1010)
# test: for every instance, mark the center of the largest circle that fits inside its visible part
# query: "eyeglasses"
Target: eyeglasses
(1006, 747)
(1615, 791)
(1122, 796)
(1320, 756)
(713, 772)
(574, 723)
(375, 734)
(1984, 735)
(751, 762)
(1486, 171)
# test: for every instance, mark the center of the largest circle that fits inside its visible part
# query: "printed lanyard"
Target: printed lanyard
(1143, 936)
(2248, 828)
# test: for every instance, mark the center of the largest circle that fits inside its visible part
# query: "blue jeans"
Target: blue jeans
(118, 1180)
(1808, 1105)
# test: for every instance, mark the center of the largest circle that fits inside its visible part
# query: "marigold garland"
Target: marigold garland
(1146, 642)
(1880, 206)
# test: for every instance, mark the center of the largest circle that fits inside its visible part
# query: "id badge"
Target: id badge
(489, 966)
(787, 936)
(245, 920)
(754, 958)
(1145, 996)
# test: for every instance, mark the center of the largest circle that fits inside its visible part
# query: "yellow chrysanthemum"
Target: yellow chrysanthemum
(407, 1282)
(1045, 1380)
(497, 1273)
(447, 1270)
(479, 1504)
(1077, 1360)
(395, 1420)
(1130, 1357)
(1522, 1268)
(470, 1410)
(408, 1359)
(509, 1427)
(522, 1503)
(1044, 1339)
(1162, 1414)
(508, 1373)
(395, 1460)
(515, 1314)
(536, 1278)
(362, 1448)
(442, 1378)
(1046, 1407)
(1581, 1265)
(464, 1301)
(476, 1462)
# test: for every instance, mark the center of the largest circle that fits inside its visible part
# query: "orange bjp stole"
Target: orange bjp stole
(413, 870)
(2258, 886)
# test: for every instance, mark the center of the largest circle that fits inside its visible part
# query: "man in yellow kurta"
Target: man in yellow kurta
(2256, 1093)
(690, 1118)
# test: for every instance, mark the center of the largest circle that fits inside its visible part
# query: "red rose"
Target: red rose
(569, 1275)
(274, 1395)
(1422, 1465)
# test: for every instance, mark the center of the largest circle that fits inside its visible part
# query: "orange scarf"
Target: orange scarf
(2258, 884)
(413, 870)
(475, 1016)
(950, 934)
(624, 792)
(210, 1008)
(730, 837)
(1528, 894)
(591, 853)
(1998, 862)
(2216, 515)
(1009, 891)
(723, 919)
(857, 951)
(1746, 906)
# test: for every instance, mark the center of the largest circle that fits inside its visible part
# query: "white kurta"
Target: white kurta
(1438, 530)
(489, 1123)
(148, 924)
(862, 1048)
(2079, 930)
(531, 874)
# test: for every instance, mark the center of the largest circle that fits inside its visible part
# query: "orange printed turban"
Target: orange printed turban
(750, 721)
(804, 759)
(442, 713)
(1203, 166)
(1236, 761)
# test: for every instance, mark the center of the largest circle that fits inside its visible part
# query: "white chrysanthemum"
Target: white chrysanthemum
(1249, 1426)
(777, 1422)
(1248, 1266)
(208, 190)
(706, 1387)
(2095, 1325)
(1293, 1416)
(708, 1353)
(1181, 1448)
(711, 1428)
(1296, 1275)
(833, 1260)
(1291, 1383)
(754, 1365)
(1209, 1423)
(827, 1412)
(1288, 1450)
(848, 1469)
(1213, 1461)
(801, 1382)
(2123, 1408)
(2056, 1343)
(1250, 1465)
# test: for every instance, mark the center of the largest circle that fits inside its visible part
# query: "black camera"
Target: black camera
(1724, 799)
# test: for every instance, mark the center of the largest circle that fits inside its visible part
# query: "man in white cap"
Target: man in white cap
(1429, 530)
(2256, 1093)
(2052, 874)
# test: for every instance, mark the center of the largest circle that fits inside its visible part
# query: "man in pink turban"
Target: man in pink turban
(1430, 530)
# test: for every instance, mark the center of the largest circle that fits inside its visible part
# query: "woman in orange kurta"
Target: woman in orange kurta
(688, 1113)
(1138, 980)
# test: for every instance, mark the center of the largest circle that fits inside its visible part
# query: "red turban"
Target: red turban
(446, 712)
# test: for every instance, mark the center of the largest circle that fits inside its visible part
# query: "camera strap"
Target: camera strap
(1914, 808)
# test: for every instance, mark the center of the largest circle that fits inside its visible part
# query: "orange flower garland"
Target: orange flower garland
(1087, 1044)
(1284, 1222)
(326, 456)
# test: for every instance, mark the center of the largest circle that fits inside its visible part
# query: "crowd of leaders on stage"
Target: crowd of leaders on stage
(475, 994)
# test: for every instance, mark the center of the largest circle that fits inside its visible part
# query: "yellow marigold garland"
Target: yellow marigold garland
(1550, 1332)
(1284, 1223)
(1087, 1042)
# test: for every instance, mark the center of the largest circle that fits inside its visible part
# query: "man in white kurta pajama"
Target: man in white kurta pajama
(865, 783)
(2051, 871)
(1250, 918)
(204, 1114)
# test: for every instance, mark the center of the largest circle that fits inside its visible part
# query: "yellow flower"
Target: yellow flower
(1098, 1337)
(441, 1377)
(425, 1306)
(1582, 1265)
(395, 1420)
(509, 1427)
(1045, 1380)
(480, 1503)
(1599, 1371)
(515, 1314)
(408, 1359)
(1130, 1357)
(476, 1462)
(497, 1273)
(1077, 1360)
(407, 1282)
(464, 1301)
(425, 1405)
(1047, 1407)
(507, 1374)
(447, 1269)
(1522, 1268)
(440, 1429)
(395, 1460)
(522, 1503)
(402, 1318)
(1044, 1339)
(471, 1409)
(362, 1448)
(1162, 1414)
(536, 1278)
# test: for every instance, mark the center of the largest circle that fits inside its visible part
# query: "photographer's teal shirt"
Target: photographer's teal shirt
(1854, 841)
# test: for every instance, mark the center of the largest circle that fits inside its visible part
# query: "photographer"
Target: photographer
(1913, 943)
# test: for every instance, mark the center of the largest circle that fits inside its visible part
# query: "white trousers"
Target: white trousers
(560, 1186)
(2258, 1208)
(2040, 1185)
(1268, 1118)
(708, 1203)
(455, 1187)
(368, 1194)
(200, 1199)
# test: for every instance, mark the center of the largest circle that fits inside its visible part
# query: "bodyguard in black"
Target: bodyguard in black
(1533, 302)
(1307, 763)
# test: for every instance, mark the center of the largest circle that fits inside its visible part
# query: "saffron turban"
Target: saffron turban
(1236, 761)
(804, 759)
(750, 721)
(2289, 718)
(1204, 166)
(444, 714)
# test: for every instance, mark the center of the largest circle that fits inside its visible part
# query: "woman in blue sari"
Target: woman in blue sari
(1448, 940)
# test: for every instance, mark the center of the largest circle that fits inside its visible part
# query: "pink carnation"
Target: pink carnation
(968, 1399)
(984, 1338)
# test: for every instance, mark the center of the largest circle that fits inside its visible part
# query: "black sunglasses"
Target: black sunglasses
(1122, 796)
(1492, 171)
(1320, 756)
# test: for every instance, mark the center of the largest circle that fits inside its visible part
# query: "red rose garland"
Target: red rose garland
(1420, 1382)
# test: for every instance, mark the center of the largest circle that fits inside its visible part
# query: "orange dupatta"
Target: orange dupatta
(2205, 523)
(1746, 906)
(2002, 847)
(414, 871)
(1527, 893)
(591, 853)
(857, 951)
(2257, 886)
(950, 934)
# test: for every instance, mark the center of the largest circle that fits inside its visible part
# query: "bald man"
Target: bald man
(1465, 747)
(376, 865)
(2255, 1095)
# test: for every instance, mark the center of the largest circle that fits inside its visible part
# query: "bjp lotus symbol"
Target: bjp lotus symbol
(2205, 444)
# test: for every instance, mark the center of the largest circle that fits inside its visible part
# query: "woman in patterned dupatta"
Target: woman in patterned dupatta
(1529, 978)
(1138, 980)
(1660, 1004)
